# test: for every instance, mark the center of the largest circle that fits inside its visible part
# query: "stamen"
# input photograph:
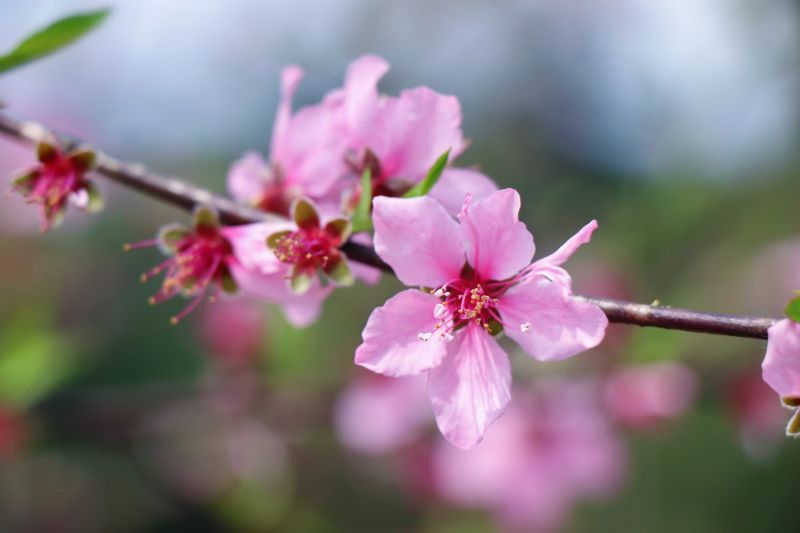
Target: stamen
(525, 327)
(127, 247)
(424, 336)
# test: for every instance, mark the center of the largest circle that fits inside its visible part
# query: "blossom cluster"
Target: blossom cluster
(360, 160)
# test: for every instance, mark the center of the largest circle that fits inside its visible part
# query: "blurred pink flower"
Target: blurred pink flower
(758, 416)
(781, 367)
(399, 138)
(449, 331)
(58, 179)
(553, 448)
(233, 330)
(643, 395)
(285, 261)
(306, 154)
(377, 415)
(199, 258)
(13, 433)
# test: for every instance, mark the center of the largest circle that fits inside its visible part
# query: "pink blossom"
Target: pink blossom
(644, 395)
(399, 138)
(553, 448)
(285, 261)
(57, 180)
(477, 281)
(758, 417)
(199, 258)
(306, 154)
(781, 367)
(376, 414)
(233, 330)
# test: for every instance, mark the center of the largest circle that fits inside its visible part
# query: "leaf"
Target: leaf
(792, 309)
(50, 39)
(423, 187)
(362, 220)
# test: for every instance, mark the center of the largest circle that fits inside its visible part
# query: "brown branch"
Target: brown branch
(185, 196)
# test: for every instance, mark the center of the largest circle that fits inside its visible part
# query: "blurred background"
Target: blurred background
(672, 122)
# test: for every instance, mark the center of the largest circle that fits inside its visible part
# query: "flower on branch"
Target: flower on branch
(295, 263)
(306, 154)
(781, 368)
(478, 281)
(59, 179)
(199, 259)
(399, 138)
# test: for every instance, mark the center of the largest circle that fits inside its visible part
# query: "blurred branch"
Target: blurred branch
(185, 196)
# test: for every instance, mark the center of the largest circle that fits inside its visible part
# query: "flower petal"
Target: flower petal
(392, 345)
(470, 388)
(290, 79)
(455, 183)
(560, 256)
(247, 177)
(361, 93)
(498, 245)
(418, 239)
(413, 130)
(781, 366)
(556, 325)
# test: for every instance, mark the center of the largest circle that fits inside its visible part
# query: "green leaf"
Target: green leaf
(792, 309)
(305, 214)
(423, 187)
(362, 220)
(50, 39)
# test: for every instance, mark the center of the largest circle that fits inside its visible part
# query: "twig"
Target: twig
(185, 196)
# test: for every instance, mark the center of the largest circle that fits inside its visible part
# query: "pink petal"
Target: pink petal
(470, 388)
(455, 183)
(392, 345)
(498, 245)
(418, 239)
(313, 150)
(414, 130)
(361, 94)
(377, 414)
(249, 244)
(300, 310)
(247, 177)
(781, 366)
(558, 326)
(290, 79)
(560, 256)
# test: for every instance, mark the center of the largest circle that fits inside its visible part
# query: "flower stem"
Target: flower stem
(185, 196)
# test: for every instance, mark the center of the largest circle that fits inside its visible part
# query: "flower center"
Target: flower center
(199, 258)
(465, 301)
(310, 249)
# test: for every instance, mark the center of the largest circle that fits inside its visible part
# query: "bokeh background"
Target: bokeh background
(672, 122)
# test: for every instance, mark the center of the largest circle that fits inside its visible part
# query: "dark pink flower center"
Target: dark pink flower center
(200, 258)
(309, 248)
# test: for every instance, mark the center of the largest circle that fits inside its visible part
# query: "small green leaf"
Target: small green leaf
(83, 160)
(423, 187)
(205, 217)
(339, 227)
(300, 280)
(275, 239)
(339, 271)
(25, 181)
(228, 283)
(50, 39)
(170, 235)
(305, 214)
(792, 309)
(793, 427)
(96, 202)
(45, 152)
(362, 220)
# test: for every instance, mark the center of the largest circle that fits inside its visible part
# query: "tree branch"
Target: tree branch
(185, 196)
